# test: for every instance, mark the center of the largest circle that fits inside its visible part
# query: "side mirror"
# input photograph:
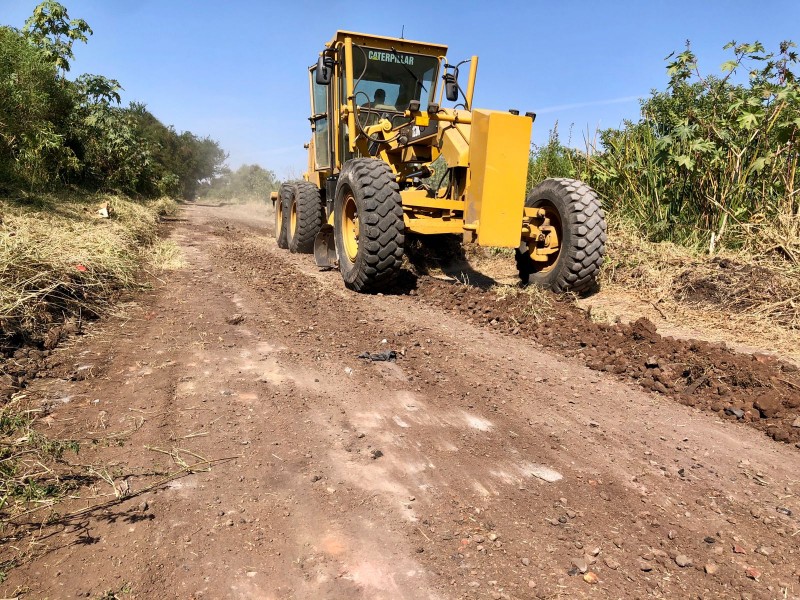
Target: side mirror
(450, 87)
(324, 70)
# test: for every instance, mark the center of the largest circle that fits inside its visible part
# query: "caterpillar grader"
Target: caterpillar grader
(387, 158)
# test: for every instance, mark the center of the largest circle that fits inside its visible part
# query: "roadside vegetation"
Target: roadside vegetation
(702, 192)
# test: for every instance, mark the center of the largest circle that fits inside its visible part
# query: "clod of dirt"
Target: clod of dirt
(683, 561)
(234, 319)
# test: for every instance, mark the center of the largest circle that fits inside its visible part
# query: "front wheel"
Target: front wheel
(568, 256)
(368, 225)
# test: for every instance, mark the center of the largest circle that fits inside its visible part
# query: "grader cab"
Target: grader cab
(388, 158)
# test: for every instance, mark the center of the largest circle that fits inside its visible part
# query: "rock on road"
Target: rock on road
(473, 466)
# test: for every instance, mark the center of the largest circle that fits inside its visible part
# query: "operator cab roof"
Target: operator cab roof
(383, 42)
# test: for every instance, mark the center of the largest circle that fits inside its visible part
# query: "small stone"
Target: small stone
(765, 550)
(590, 578)
(735, 412)
(784, 511)
(375, 454)
(315, 478)
(671, 534)
(595, 551)
(710, 539)
(474, 584)
(493, 537)
(796, 422)
(611, 563)
(645, 566)
(234, 319)
(526, 561)
(753, 573)
(531, 583)
(737, 549)
(711, 568)
(580, 564)
(683, 561)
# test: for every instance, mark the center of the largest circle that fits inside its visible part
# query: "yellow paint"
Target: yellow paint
(473, 73)
(420, 199)
(499, 147)
(434, 226)
(351, 117)
(455, 145)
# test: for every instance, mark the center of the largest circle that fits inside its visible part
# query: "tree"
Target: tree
(51, 29)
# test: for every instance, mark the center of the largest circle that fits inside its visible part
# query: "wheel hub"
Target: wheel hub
(545, 247)
(351, 228)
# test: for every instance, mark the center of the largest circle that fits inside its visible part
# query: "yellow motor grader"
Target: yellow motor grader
(388, 158)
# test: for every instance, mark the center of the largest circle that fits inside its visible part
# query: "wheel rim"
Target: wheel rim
(545, 252)
(293, 219)
(350, 227)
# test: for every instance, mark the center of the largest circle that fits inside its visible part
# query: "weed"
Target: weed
(536, 301)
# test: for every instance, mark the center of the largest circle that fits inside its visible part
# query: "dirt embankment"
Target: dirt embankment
(756, 389)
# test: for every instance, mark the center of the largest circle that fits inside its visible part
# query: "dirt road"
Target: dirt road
(476, 465)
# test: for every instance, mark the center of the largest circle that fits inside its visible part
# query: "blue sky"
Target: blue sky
(237, 70)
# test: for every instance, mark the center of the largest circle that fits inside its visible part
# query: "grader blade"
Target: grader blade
(325, 248)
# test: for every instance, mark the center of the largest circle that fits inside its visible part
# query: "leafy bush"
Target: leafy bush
(712, 161)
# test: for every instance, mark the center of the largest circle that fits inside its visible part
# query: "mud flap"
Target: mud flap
(325, 248)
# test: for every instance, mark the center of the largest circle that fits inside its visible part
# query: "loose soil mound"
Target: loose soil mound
(756, 389)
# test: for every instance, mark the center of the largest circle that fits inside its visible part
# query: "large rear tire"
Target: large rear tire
(573, 210)
(305, 217)
(368, 225)
(280, 216)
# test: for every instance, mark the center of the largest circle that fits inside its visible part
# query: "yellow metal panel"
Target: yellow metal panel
(419, 198)
(379, 41)
(455, 145)
(434, 226)
(499, 147)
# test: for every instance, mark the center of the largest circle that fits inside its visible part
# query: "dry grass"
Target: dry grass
(756, 287)
(750, 299)
(166, 255)
(59, 259)
(536, 301)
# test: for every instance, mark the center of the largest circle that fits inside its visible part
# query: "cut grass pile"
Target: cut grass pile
(60, 260)
(758, 288)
